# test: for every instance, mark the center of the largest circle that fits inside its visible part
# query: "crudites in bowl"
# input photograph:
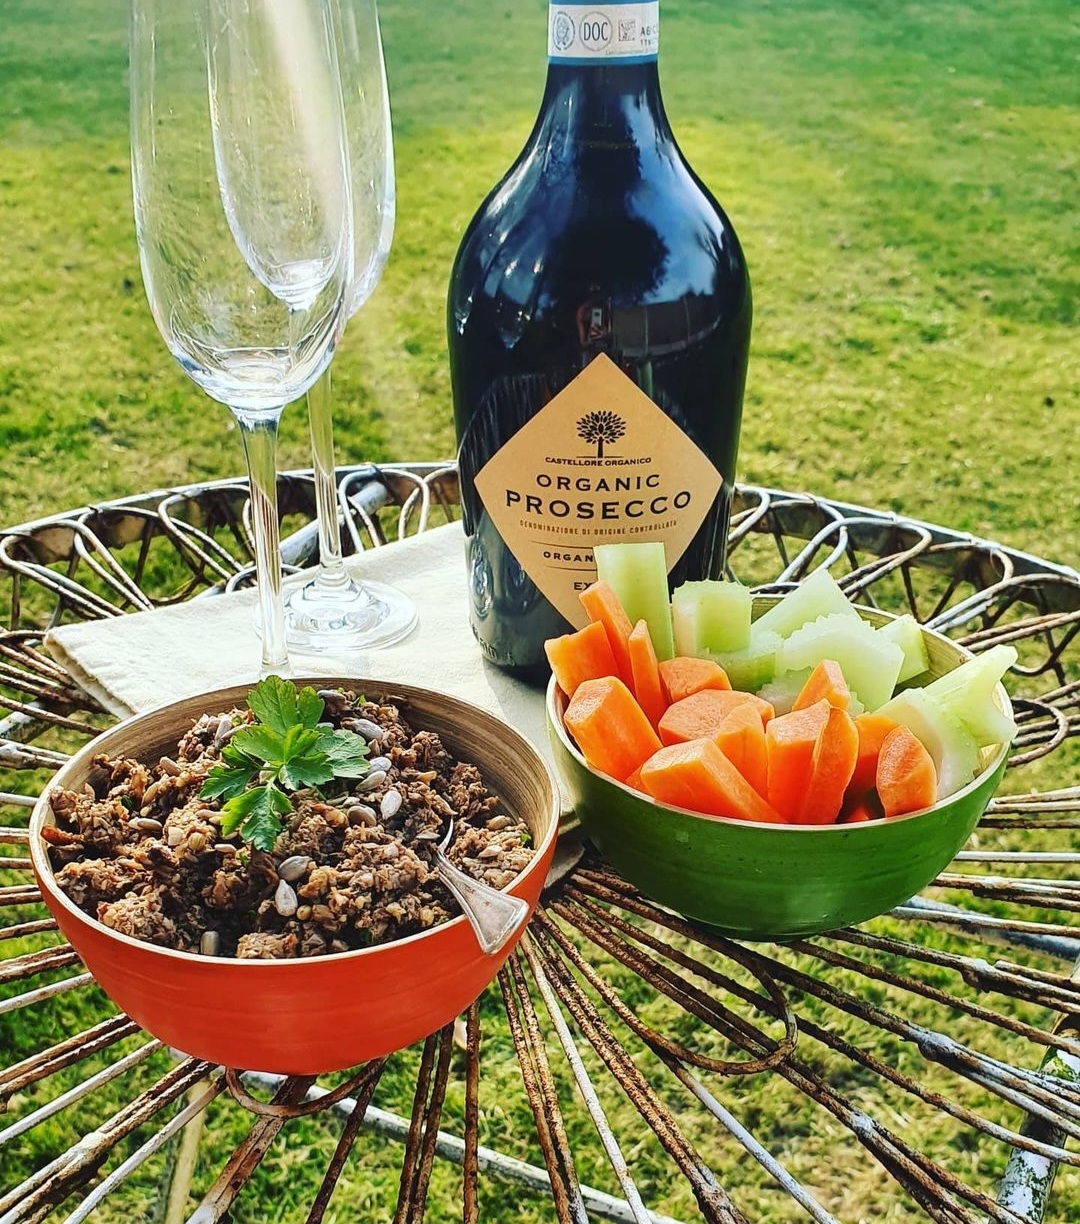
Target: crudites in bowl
(774, 882)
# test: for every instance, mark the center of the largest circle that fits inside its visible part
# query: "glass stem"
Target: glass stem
(331, 576)
(259, 432)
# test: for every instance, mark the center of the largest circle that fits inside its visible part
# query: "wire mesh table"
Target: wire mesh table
(925, 1065)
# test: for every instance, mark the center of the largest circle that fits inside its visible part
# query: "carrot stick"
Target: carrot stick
(833, 761)
(602, 604)
(826, 680)
(645, 672)
(697, 775)
(867, 807)
(790, 740)
(610, 727)
(906, 778)
(872, 729)
(859, 814)
(684, 675)
(701, 714)
(741, 738)
(584, 655)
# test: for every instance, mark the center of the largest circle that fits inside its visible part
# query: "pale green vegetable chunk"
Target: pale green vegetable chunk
(710, 616)
(967, 693)
(637, 573)
(820, 595)
(869, 663)
(753, 667)
(907, 633)
(783, 688)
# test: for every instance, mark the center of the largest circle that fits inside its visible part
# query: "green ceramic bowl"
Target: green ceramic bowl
(773, 882)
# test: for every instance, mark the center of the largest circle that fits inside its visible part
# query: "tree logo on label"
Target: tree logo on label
(597, 428)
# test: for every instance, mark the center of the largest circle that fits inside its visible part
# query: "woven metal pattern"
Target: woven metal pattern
(937, 1046)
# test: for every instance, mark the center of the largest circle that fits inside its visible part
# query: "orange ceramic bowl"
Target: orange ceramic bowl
(318, 1014)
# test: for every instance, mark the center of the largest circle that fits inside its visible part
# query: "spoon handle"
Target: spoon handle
(493, 915)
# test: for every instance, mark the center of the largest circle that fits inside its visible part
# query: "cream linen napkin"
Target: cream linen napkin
(134, 663)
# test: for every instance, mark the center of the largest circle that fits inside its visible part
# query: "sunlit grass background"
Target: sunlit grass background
(904, 178)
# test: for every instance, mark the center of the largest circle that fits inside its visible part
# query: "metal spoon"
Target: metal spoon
(493, 915)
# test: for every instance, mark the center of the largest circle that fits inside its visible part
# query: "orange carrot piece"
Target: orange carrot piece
(741, 738)
(697, 775)
(685, 675)
(834, 760)
(872, 729)
(645, 673)
(826, 680)
(906, 778)
(790, 740)
(859, 814)
(602, 604)
(610, 727)
(584, 655)
(701, 713)
(866, 807)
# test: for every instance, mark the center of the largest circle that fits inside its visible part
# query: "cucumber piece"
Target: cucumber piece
(685, 609)
(637, 573)
(710, 615)
(755, 665)
(944, 736)
(869, 663)
(783, 688)
(907, 633)
(820, 595)
(967, 693)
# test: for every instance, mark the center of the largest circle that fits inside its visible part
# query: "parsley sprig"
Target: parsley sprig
(285, 749)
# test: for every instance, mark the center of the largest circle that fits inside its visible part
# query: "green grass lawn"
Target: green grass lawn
(904, 178)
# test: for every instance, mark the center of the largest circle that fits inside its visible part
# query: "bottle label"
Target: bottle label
(583, 32)
(600, 463)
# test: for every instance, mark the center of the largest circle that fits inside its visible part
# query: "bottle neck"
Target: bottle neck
(602, 83)
(604, 103)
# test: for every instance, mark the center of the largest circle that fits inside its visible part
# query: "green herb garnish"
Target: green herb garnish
(285, 749)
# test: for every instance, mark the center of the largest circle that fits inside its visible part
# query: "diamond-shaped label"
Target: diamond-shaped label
(599, 464)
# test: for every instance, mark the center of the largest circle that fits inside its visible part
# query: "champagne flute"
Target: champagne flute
(243, 218)
(333, 611)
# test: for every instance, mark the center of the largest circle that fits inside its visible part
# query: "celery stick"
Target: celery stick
(967, 692)
(907, 633)
(637, 573)
(711, 616)
(819, 595)
(869, 663)
(783, 688)
(685, 620)
(753, 666)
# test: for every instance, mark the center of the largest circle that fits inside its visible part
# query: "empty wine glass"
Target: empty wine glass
(243, 218)
(333, 611)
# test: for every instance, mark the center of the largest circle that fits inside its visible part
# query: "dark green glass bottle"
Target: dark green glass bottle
(599, 242)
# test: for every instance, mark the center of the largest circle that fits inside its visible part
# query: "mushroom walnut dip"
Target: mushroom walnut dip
(143, 852)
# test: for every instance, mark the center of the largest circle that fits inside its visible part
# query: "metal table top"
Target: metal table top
(925, 1065)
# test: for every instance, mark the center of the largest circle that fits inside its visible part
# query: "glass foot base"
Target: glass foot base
(357, 616)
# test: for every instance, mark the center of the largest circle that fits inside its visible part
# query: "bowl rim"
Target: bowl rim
(46, 877)
(993, 763)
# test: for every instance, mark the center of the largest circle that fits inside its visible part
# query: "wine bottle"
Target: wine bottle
(598, 325)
